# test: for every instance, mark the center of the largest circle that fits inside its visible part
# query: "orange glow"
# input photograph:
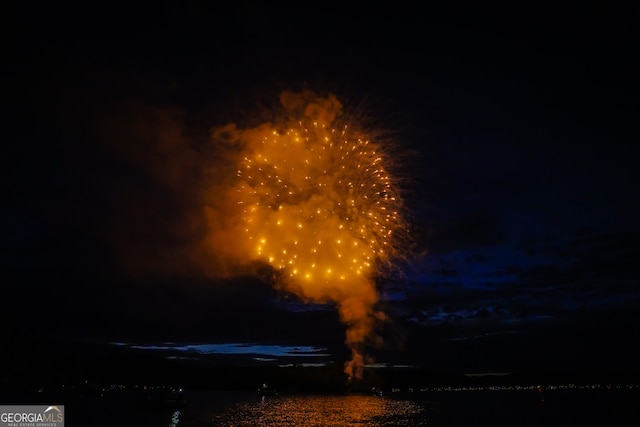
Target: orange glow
(318, 204)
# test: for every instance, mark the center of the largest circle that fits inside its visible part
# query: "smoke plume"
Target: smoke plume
(309, 194)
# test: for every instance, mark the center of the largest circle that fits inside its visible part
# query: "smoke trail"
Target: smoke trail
(314, 199)
(310, 198)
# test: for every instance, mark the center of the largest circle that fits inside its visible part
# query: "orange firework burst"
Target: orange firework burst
(319, 205)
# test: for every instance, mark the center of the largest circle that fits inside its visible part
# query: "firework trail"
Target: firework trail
(314, 198)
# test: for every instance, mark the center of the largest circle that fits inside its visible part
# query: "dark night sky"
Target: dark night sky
(521, 129)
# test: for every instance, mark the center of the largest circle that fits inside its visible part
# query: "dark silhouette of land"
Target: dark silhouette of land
(40, 373)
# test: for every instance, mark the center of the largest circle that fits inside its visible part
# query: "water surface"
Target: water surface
(470, 408)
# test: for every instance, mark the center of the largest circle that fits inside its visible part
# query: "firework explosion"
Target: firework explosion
(317, 203)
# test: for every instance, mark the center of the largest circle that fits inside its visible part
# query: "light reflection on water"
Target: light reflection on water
(326, 411)
(204, 408)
